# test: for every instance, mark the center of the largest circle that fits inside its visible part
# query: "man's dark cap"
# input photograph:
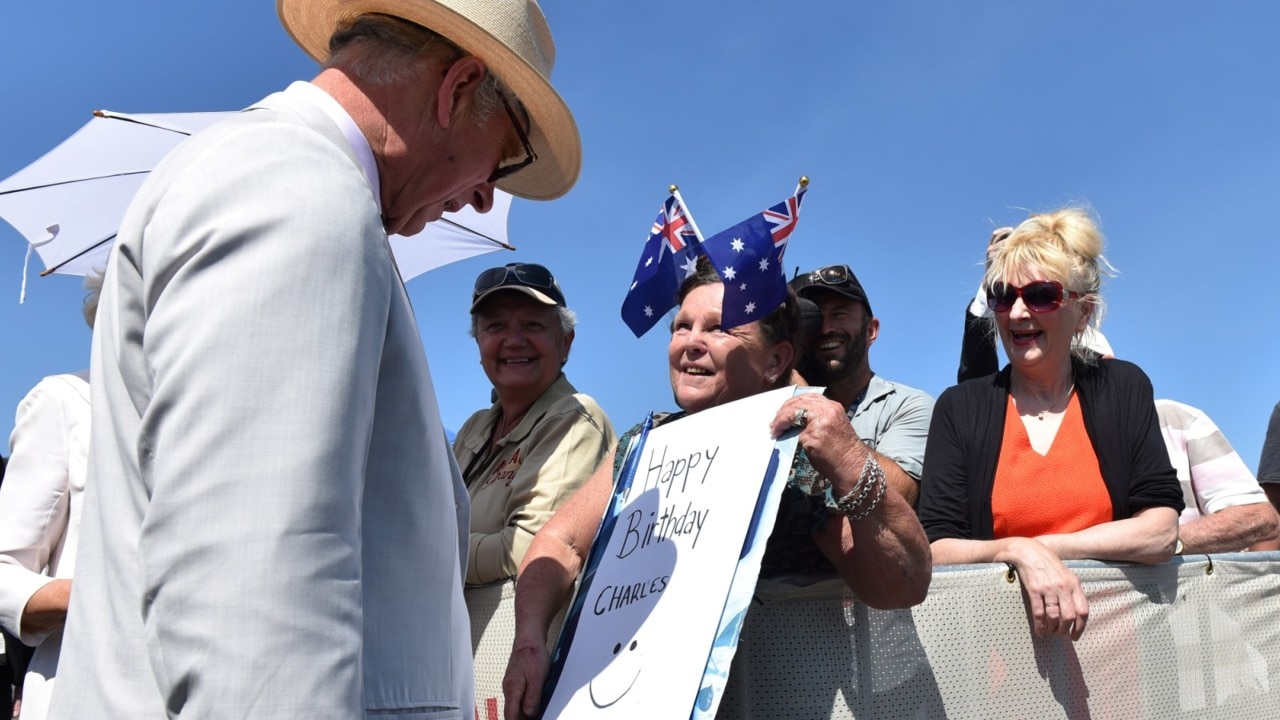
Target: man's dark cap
(838, 279)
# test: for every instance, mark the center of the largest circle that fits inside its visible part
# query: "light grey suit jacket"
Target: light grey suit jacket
(275, 527)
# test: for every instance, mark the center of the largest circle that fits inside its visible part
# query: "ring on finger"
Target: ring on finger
(801, 418)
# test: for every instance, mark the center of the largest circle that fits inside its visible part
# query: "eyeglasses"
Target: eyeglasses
(829, 275)
(1041, 296)
(521, 274)
(503, 171)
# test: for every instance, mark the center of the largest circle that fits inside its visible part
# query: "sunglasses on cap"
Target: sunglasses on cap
(504, 171)
(1041, 296)
(835, 275)
(519, 274)
(836, 278)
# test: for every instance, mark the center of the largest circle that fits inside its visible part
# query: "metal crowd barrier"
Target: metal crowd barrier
(1197, 638)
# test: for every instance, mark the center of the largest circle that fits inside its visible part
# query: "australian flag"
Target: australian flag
(748, 256)
(670, 255)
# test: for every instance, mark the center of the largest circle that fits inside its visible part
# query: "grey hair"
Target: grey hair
(568, 319)
(384, 50)
(93, 286)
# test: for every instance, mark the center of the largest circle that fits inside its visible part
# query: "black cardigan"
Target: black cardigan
(968, 428)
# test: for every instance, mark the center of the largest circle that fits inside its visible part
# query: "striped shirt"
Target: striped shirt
(1211, 472)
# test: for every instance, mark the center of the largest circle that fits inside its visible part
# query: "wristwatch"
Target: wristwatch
(1177, 547)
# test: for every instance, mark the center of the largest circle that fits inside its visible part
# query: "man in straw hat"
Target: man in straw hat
(277, 527)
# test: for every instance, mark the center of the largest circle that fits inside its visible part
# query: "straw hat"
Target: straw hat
(513, 40)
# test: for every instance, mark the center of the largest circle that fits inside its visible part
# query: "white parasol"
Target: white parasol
(69, 203)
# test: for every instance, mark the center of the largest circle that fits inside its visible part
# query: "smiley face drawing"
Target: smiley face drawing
(618, 677)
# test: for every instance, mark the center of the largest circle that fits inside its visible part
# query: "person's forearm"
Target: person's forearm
(46, 610)
(542, 586)
(1016, 551)
(897, 478)
(955, 551)
(1148, 537)
(1230, 529)
(883, 557)
(556, 556)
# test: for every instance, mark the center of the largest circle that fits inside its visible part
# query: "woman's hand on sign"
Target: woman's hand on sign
(825, 434)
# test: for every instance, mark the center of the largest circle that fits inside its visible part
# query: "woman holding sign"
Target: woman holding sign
(1058, 456)
(836, 513)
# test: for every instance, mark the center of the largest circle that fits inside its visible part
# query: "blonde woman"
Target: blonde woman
(1058, 456)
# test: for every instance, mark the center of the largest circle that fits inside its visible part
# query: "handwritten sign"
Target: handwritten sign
(681, 540)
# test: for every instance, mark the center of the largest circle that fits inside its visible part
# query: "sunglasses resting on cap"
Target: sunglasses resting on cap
(1041, 296)
(836, 278)
(834, 275)
(535, 280)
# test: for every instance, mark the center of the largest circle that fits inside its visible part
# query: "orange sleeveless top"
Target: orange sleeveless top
(1060, 492)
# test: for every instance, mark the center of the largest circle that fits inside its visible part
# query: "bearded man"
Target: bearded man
(891, 419)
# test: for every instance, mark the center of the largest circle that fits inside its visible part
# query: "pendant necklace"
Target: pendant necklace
(1040, 415)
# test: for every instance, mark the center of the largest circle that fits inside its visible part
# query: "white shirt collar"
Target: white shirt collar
(306, 92)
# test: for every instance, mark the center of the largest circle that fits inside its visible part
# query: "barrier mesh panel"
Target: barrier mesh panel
(1198, 638)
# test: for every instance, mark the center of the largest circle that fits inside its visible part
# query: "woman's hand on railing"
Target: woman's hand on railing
(1054, 595)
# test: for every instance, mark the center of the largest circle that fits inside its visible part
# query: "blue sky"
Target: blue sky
(922, 125)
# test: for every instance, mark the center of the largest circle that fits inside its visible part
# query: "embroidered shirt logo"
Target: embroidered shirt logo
(507, 469)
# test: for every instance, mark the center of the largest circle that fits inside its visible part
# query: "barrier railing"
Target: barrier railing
(1196, 638)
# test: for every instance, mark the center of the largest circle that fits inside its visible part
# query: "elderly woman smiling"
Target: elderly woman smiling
(876, 544)
(1058, 456)
(524, 457)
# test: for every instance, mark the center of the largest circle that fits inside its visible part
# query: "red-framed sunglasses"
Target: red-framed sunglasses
(1041, 296)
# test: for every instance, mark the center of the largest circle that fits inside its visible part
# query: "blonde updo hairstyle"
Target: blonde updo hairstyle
(1065, 245)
